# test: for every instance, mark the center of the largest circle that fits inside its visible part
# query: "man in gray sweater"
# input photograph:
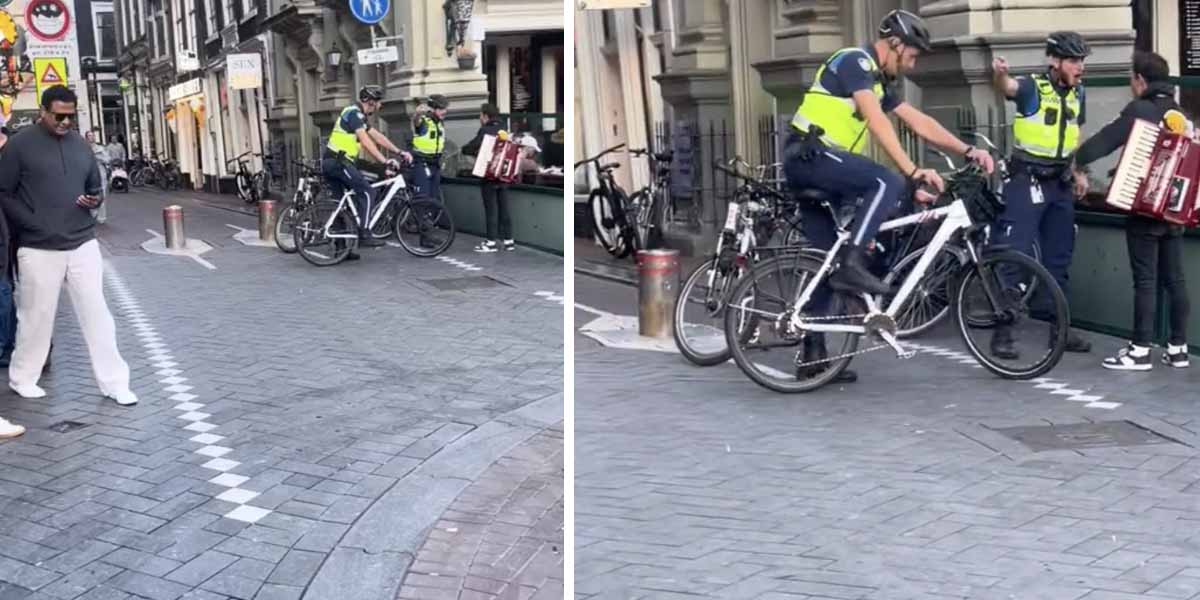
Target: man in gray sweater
(49, 183)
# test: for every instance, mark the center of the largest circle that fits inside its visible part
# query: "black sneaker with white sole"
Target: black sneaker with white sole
(510, 245)
(1176, 356)
(1130, 358)
(487, 246)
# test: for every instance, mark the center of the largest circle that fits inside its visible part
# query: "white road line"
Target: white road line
(173, 380)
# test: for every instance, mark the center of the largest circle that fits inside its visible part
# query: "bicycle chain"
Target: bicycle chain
(830, 359)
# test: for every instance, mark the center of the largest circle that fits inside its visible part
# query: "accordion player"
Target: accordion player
(498, 160)
(1158, 172)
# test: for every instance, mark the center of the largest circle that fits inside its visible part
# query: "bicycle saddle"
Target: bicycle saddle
(813, 195)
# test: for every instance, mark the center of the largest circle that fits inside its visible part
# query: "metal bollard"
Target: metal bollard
(173, 227)
(266, 220)
(658, 286)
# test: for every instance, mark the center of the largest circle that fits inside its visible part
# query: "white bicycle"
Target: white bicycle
(809, 331)
(326, 232)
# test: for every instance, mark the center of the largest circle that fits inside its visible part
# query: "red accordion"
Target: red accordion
(1157, 175)
(498, 160)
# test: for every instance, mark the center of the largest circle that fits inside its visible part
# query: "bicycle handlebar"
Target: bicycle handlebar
(598, 156)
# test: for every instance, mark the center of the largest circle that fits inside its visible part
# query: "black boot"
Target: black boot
(1074, 342)
(814, 349)
(1002, 343)
(854, 276)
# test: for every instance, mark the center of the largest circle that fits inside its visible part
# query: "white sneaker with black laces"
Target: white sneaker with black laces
(487, 246)
(1176, 356)
(1130, 358)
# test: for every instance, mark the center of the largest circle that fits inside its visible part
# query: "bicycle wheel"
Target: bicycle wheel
(699, 326)
(929, 302)
(424, 228)
(640, 207)
(314, 244)
(385, 226)
(607, 224)
(1036, 324)
(244, 187)
(284, 228)
(978, 312)
(781, 357)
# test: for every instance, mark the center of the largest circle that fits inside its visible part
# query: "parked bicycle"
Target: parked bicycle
(250, 186)
(326, 232)
(760, 222)
(610, 208)
(651, 207)
(309, 187)
(810, 332)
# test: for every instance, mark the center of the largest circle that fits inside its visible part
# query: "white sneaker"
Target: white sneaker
(9, 430)
(510, 245)
(1130, 358)
(487, 246)
(29, 391)
(124, 397)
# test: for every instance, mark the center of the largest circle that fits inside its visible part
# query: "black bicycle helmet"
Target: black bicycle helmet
(909, 28)
(1067, 44)
(370, 92)
(438, 101)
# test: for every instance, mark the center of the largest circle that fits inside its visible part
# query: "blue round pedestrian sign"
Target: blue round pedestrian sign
(370, 11)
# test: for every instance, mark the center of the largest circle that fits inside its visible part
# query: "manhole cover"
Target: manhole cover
(1105, 434)
(65, 426)
(454, 284)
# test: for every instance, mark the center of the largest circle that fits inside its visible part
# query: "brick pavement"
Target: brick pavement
(696, 483)
(330, 390)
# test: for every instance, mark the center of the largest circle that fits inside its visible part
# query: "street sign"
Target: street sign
(375, 56)
(183, 90)
(245, 71)
(49, 72)
(48, 20)
(370, 12)
(187, 62)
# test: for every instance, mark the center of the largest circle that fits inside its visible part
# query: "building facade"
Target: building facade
(174, 65)
(505, 51)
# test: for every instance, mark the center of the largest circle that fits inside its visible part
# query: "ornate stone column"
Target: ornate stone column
(806, 32)
(697, 83)
(750, 26)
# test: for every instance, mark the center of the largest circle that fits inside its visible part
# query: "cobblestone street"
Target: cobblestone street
(697, 483)
(388, 427)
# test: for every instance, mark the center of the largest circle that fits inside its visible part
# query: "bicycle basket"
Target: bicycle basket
(983, 205)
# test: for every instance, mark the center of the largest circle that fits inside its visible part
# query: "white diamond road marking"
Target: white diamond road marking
(229, 480)
(237, 496)
(221, 464)
(206, 438)
(247, 513)
(1053, 386)
(214, 451)
(160, 356)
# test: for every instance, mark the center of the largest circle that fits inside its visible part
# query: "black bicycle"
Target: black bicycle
(610, 208)
(651, 207)
(250, 186)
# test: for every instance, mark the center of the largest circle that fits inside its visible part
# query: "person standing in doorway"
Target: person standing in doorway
(49, 183)
(495, 193)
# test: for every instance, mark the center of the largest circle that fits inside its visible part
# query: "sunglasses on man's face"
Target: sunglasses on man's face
(60, 117)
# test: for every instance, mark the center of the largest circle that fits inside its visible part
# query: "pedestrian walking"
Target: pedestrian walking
(495, 193)
(49, 181)
(100, 151)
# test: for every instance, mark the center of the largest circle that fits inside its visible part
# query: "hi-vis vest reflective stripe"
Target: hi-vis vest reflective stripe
(1053, 131)
(433, 140)
(341, 140)
(844, 127)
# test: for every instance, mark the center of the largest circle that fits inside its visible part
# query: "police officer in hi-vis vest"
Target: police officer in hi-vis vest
(429, 140)
(1039, 196)
(351, 134)
(844, 109)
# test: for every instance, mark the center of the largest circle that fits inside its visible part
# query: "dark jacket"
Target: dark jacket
(472, 147)
(41, 177)
(1158, 99)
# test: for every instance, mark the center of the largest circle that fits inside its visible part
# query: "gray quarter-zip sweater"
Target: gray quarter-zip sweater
(41, 177)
